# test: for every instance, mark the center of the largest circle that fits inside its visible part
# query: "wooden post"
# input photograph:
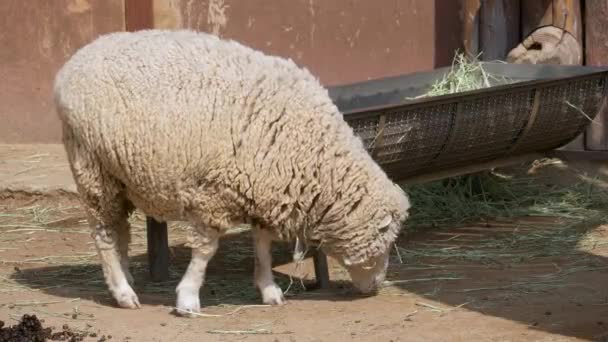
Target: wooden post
(499, 29)
(158, 249)
(470, 31)
(596, 54)
(138, 15)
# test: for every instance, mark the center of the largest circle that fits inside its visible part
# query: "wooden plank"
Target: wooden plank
(139, 15)
(596, 54)
(471, 26)
(448, 31)
(499, 28)
(535, 14)
(567, 16)
(158, 249)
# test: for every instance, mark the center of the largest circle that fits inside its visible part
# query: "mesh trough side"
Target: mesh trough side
(562, 114)
(478, 128)
(411, 138)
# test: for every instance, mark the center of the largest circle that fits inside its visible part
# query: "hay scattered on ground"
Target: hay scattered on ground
(490, 196)
(504, 221)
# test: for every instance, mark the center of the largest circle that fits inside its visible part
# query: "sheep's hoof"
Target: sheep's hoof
(188, 313)
(272, 295)
(187, 305)
(127, 299)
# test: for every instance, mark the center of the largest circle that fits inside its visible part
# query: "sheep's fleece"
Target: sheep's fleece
(186, 126)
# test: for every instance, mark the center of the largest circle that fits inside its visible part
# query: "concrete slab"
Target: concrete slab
(35, 169)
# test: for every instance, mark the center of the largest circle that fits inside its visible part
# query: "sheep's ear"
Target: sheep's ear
(385, 222)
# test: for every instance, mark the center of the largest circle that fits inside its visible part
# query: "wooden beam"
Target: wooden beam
(139, 15)
(499, 28)
(596, 54)
(470, 31)
(535, 14)
(158, 249)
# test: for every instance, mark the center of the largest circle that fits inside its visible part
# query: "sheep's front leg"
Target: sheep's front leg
(264, 281)
(203, 249)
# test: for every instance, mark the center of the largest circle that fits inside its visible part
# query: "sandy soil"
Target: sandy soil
(496, 285)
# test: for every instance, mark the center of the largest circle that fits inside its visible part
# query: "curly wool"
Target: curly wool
(186, 126)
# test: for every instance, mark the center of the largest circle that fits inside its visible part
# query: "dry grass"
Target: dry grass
(466, 74)
(527, 219)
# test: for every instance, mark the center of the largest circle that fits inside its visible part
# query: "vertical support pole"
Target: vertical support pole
(139, 15)
(321, 270)
(158, 249)
(596, 54)
(470, 30)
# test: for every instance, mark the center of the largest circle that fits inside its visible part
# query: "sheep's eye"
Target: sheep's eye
(383, 229)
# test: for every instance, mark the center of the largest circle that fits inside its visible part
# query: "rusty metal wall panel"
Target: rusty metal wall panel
(449, 22)
(138, 15)
(36, 37)
(340, 41)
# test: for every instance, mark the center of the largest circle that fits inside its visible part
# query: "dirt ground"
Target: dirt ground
(520, 280)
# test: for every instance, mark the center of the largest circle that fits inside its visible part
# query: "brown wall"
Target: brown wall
(338, 40)
(36, 37)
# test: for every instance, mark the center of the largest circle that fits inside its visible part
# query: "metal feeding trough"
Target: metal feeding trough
(543, 107)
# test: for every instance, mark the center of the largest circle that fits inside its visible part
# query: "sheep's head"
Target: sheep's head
(366, 256)
(367, 274)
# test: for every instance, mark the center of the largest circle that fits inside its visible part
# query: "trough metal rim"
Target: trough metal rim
(582, 73)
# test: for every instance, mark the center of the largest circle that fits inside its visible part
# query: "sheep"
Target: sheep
(186, 126)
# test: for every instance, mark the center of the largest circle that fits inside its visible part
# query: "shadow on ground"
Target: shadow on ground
(229, 277)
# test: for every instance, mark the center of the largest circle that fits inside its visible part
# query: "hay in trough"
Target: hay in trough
(467, 73)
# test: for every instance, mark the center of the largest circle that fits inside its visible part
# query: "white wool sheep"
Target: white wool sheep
(187, 126)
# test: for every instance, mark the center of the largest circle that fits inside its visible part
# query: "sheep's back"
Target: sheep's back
(162, 109)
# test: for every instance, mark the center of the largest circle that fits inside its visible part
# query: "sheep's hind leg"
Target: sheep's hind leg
(108, 211)
(264, 280)
(107, 241)
(203, 249)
